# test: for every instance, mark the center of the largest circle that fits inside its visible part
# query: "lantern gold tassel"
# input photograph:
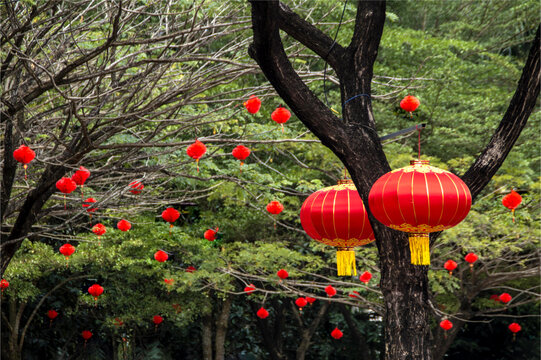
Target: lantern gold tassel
(345, 262)
(419, 248)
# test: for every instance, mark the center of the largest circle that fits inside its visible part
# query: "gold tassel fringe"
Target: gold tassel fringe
(419, 248)
(345, 262)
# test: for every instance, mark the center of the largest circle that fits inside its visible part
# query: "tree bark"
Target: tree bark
(206, 335)
(308, 332)
(363, 350)
(221, 328)
(272, 335)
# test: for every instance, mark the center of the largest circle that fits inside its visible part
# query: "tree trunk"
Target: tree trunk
(15, 315)
(206, 335)
(308, 332)
(272, 336)
(363, 350)
(221, 328)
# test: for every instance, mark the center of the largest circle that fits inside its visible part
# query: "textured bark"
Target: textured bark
(272, 335)
(355, 141)
(206, 335)
(221, 329)
(308, 331)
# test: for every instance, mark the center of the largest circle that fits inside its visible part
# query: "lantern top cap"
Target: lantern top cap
(345, 181)
(419, 162)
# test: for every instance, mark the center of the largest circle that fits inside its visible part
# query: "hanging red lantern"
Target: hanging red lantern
(495, 297)
(24, 155)
(514, 328)
(253, 104)
(210, 234)
(419, 199)
(241, 152)
(87, 204)
(169, 282)
(512, 201)
(136, 187)
(365, 277)
(450, 265)
(281, 115)
(123, 225)
(190, 269)
(86, 335)
(249, 289)
(157, 320)
(161, 256)
(330, 291)
(275, 208)
(67, 250)
(310, 300)
(446, 325)
(66, 186)
(80, 176)
(51, 314)
(99, 229)
(282, 274)
(336, 333)
(410, 103)
(301, 302)
(505, 298)
(336, 216)
(196, 151)
(4, 284)
(95, 290)
(355, 294)
(170, 215)
(262, 313)
(471, 258)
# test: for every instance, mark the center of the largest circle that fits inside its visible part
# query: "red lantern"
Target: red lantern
(196, 151)
(505, 298)
(210, 234)
(157, 320)
(281, 115)
(275, 208)
(169, 282)
(355, 294)
(241, 153)
(310, 300)
(161, 256)
(67, 250)
(4, 284)
(95, 290)
(301, 302)
(514, 328)
(123, 225)
(282, 274)
(262, 313)
(471, 258)
(86, 335)
(65, 185)
(52, 314)
(253, 104)
(336, 333)
(512, 201)
(87, 204)
(170, 215)
(99, 229)
(330, 291)
(80, 176)
(495, 297)
(365, 277)
(419, 199)
(446, 325)
(190, 269)
(450, 265)
(249, 289)
(336, 216)
(136, 187)
(410, 103)
(24, 155)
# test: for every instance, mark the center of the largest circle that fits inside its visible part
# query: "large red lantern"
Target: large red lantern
(95, 290)
(262, 313)
(410, 103)
(336, 333)
(123, 225)
(281, 115)
(80, 176)
(512, 201)
(450, 265)
(65, 185)
(336, 216)
(24, 155)
(196, 151)
(419, 199)
(241, 152)
(253, 104)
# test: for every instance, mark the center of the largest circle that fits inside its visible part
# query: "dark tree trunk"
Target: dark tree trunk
(307, 332)
(363, 352)
(206, 334)
(355, 141)
(272, 335)
(221, 328)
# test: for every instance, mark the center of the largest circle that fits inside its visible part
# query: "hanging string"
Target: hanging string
(419, 140)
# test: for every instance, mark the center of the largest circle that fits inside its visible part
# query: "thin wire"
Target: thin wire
(419, 141)
(328, 52)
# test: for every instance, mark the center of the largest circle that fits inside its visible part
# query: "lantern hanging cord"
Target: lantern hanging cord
(419, 140)
(328, 52)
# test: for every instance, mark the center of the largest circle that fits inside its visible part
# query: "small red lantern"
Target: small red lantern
(210, 234)
(136, 187)
(196, 151)
(281, 115)
(169, 282)
(410, 103)
(67, 250)
(282, 274)
(66, 186)
(86, 335)
(512, 201)
(365, 277)
(471, 258)
(514, 328)
(51, 314)
(253, 104)
(446, 325)
(336, 333)
(157, 320)
(495, 297)
(241, 152)
(4, 284)
(170, 215)
(190, 269)
(87, 204)
(123, 225)
(275, 208)
(95, 290)
(419, 199)
(161, 256)
(336, 216)
(249, 289)
(99, 229)
(450, 265)
(330, 291)
(505, 298)
(310, 300)
(301, 302)
(262, 313)
(24, 155)
(80, 176)
(355, 294)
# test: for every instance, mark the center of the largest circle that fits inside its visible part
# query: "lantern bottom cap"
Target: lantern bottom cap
(419, 248)
(345, 262)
